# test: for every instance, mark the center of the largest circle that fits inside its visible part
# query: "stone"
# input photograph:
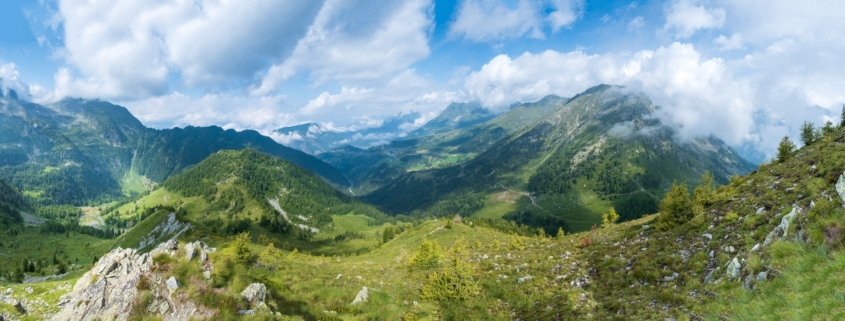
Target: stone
(709, 278)
(172, 284)
(760, 211)
(203, 256)
(708, 236)
(108, 290)
(733, 268)
(190, 251)
(206, 275)
(361, 297)
(780, 231)
(762, 276)
(255, 293)
(755, 248)
(840, 188)
(524, 279)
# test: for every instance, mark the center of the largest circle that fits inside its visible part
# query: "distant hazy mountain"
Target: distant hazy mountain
(78, 151)
(456, 116)
(314, 139)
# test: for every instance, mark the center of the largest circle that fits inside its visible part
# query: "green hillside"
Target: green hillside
(84, 152)
(602, 148)
(235, 191)
(11, 203)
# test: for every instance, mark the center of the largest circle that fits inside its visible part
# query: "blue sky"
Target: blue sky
(746, 71)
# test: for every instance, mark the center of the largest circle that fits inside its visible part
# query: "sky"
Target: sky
(748, 72)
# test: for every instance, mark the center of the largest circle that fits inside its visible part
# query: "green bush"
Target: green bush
(243, 255)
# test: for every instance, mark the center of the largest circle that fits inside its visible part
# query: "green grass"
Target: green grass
(811, 287)
(73, 248)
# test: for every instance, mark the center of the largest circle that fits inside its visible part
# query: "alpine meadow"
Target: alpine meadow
(422, 160)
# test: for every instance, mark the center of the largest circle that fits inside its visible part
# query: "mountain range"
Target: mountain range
(587, 207)
(79, 151)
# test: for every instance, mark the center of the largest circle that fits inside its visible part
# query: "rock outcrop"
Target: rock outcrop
(109, 290)
(840, 188)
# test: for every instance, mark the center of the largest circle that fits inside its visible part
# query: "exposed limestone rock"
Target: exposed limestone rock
(190, 251)
(840, 188)
(733, 268)
(109, 290)
(255, 293)
(172, 284)
(361, 297)
(780, 231)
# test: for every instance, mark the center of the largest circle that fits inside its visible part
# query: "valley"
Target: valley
(504, 218)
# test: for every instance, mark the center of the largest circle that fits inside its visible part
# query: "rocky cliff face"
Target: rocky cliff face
(110, 290)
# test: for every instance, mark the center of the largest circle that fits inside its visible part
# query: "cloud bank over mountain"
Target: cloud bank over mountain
(714, 67)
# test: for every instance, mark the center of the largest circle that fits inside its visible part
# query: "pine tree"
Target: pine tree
(560, 232)
(808, 133)
(676, 208)
(828, 128)
(243, 255)
(703, 193)
(785, 149)
(842, 117)
(609, 218)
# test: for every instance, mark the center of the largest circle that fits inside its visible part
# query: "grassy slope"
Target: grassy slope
(631, 266)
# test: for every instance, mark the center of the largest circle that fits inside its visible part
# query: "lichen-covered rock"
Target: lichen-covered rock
(255, 293)
(733, 268)
(781, 230)
(840, 188)
(108, 290)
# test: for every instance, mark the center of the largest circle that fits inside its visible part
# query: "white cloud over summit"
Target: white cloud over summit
(747, 71)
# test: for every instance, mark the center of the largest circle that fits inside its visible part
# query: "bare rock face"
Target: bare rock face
(108, 290)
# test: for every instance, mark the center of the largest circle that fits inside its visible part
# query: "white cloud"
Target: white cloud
(684, 18)
(636, 23)
(355, 41)
(491, 20)
(726, 43)
(406, 92)
(10, 80)
(264, 114)
(134, 48)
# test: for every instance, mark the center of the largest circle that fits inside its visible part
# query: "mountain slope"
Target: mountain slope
(11, 202)
(233, 190)
(602, 148)
(372, 168)
(82, 151)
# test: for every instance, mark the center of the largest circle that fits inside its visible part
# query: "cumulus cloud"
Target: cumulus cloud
(684, 18)
(264, 114)
(491, 20)
(133, 49)
(700, 96)
(729, 43)
(406, 92)
(10, 80)
(358, 41)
